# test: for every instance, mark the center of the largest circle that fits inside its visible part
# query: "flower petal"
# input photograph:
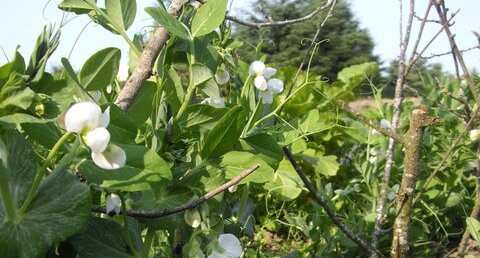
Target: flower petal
(275, 85)
(222, 76)
(266, 96)
(82, 116)
(260, 83)
(104, 118)
(97, 139)
(256, 67)
(475, 135)
(112, 158)
(113, 203)
(214, 102)
(269, 71)
(230, 244)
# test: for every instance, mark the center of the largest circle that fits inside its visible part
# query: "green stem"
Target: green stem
(117, 28)
(191, 84)
(126, 227)
(148, 242)
(10, 208)
(41, 172)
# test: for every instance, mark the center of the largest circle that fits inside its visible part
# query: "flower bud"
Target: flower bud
(192, 218)
(113, 204)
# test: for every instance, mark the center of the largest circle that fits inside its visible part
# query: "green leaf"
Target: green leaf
(286, 183)
(21, 171)
(77, 6)
(164, 199)
(16, 65)
(200, 73)
(143, 168)
(473, 227)
(100, 69)
(70, 72)
(265, 147)
(171, 24)
(174, 90)
(201, 116)
(122, 12)
(141, 108)
(21, 99)
(352, 76)
(46, 134)
(225, 134)
(59, 210)
(324, 165)
(101, 238)
(454, 199)
(209, 16)
(121, 127)
(235, 162)
(210, 88)
(328, 165)
(205, 53)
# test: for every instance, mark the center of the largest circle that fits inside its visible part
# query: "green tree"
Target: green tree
(345, 43)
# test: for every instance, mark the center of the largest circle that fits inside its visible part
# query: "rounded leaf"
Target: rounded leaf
(222, 76)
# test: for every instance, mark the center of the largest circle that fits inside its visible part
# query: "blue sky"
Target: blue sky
(22, 20)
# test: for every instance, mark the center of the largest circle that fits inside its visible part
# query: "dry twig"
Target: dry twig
(186, 206)
(330, 212)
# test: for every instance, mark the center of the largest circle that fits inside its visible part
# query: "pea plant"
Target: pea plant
(199, 152)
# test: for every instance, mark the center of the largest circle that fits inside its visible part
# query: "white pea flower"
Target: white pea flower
(192, 217)
(228, 247)
(85, 116)
(112, 158)
(475, 135)
(113, 204)
(214, 102)
(266, 88)
(222, 76)
(87, 119)
(274, 86)
(262, 73)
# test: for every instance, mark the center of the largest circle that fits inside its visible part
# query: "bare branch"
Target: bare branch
(450, 52)
(456, 51)
(404, 41)
(330, 212)
(358, 116)
(145, 64)
(419, 54)
(279, 23)
(418, 122)
(186, 206)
